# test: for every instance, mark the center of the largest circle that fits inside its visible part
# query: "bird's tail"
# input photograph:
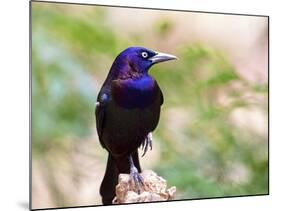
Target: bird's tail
(110, 179)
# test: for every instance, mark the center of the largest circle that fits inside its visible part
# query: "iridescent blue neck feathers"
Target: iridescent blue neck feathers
(134, 93)
(128, 79)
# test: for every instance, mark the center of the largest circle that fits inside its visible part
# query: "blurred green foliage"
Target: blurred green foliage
(209, 76)
(203, 152)
(163, 27)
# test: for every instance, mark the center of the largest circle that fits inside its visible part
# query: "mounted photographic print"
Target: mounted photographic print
(135, 105)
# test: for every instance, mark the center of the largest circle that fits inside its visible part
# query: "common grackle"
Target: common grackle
(127, 111)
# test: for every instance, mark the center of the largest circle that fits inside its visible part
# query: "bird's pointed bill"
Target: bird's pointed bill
(162, 57)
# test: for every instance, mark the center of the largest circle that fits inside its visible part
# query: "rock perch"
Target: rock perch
(155, 189)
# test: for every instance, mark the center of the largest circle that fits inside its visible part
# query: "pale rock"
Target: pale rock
(155, 189)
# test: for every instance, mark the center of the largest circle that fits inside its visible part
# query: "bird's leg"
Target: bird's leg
(135, 176)
(147, 142)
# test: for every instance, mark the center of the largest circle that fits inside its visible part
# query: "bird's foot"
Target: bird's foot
(137, 179)
(147, 142)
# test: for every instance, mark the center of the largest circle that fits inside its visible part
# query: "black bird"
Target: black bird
(127, 111)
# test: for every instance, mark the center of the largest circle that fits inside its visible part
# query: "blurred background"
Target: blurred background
(212, 138)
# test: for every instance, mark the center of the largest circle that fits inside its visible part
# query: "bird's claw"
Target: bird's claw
(147, 142)
(137, 179)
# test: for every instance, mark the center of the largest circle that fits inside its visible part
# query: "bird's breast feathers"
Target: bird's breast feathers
(134, 93)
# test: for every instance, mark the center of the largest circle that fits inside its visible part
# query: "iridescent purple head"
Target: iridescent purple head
(138, 60)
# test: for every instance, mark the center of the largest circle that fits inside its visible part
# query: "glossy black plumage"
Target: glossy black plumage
(128, 108)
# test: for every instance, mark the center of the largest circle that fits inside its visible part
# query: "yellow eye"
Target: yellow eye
(144, 54)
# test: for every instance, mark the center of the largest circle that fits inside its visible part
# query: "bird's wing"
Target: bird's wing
(160, 93)
(100, 114)
(162, 98)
